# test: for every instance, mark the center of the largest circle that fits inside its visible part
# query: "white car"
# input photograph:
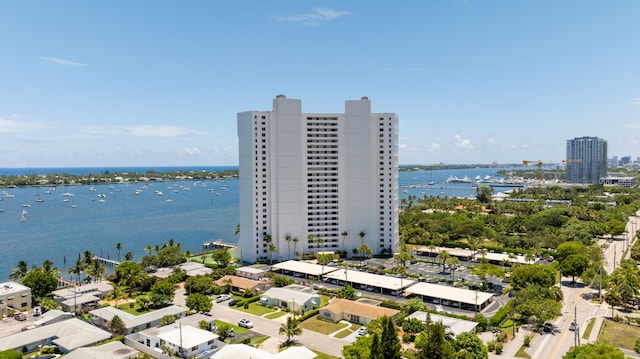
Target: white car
(245, 323)
(362, 331)
(222, 298)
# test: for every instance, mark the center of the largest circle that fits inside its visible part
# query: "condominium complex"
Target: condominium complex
(586, 160)
(312, 182)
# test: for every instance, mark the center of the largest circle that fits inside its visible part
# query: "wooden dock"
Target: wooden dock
(107, 262)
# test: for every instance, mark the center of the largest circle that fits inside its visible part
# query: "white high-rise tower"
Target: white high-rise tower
(317, 181)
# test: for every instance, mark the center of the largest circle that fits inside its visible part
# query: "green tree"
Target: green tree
(469, 346)
(130, 274)
(76, 269)
(271, 248)
(128, 256)
(290, 329)
(223, 330)
(42, 283)
(116, 324)
(594, 351)
(525, 275)
(167, 319)
(96, 269)
(347, 292)
(143, 301)
(199, 284)
(199, 302)
(359, 349)
(443, 255)
(413, 326)
(574, 265)
(483, 194)
(222, 257)
(389, 336)
(364, 250)
(412, 305)
(119, 248)
(377, 347)
(10, 354)
(162, 292)
(435, 342)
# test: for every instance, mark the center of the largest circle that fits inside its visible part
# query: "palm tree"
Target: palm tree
(148, 249)
(19, 271)
(344, 235)
(361, 234)
(237, 232)
(119, 248)
(310, 239)
(271, 249)
(288, 239)
(48, 267)
(453, 263)
(443, 255)
(319, 242)
(529, 258)
(128, 256)
(87, 258)
(323, 259)
(77, 269)
(96, 270)
(118, 292)
(295, 244)
(290, 329)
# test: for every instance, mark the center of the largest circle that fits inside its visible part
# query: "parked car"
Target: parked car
(233, 302)
(222, 298)
(245, 323)
(20, 316)
(573, 327)
(362, 331)
(547, 328)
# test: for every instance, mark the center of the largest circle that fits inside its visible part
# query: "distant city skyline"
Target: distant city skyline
(159, 83)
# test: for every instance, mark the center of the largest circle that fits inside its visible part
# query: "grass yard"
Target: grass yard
(522, 354)
(344, 333)
(589, 328)
(256, 309)
(324, 300)
(322, 326)
(618, 334)
(255, 342)
(237, 329)
(135, 309)
(275, 315)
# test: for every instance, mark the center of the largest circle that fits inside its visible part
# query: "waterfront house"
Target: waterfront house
(82, 296)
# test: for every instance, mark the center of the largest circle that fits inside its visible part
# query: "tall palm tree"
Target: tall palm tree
(323, 259)
(310, 239)
(148, 249)
(76, 270)
(443, 255)
(344, 235)
(128, 256)
(288, 239)
(290, 329)
(96, 270)
(237, 231)
(119, 248)
(48, 267)
(295, 244)
(319, 242)
(271, 248)
(361, 234)
(19, 271)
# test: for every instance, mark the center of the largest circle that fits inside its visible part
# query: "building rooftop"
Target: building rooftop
(12, 287)
(366, 310)
(250, 269)
(453, 294)
(290, 293)
(370, 279)
(130, 320)
(304, 267)
(112, 350)
(185, 336)
(68, 334)
(69, 292)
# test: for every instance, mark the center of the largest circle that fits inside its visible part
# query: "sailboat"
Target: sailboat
(23, 215)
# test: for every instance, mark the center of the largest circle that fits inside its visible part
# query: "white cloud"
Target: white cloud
(635, 101)
(462, 143)
(316, 17)
(62, 62)
(11, 125)
(189, 151)
(491, 140)
(140, 131)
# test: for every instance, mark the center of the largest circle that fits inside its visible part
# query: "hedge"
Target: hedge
(248, 301)
(308, 315)
(501, 314)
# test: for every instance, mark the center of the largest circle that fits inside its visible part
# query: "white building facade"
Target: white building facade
(317, 181)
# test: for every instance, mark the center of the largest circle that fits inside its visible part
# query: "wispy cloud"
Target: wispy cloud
(317, 16)
(140, 131)
(13, 124)
(491, 140)
(635, 101)
(463, 143)
(62, 62)
(190, 151)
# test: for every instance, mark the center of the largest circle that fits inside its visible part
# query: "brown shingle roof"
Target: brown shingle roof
(362, 309)
(239, 282)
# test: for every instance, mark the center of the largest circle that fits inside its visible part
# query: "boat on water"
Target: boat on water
(39, 200)
(101, 200)
(23, 215)
(454, 179)
(26, 205)
(431, 183)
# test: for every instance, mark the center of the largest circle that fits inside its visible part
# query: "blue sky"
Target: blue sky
(152, 83)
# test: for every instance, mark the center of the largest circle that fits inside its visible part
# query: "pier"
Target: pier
(218, 244)
(107, 262)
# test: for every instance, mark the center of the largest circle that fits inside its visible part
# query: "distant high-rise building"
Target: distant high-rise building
(586, 160)
(625, 160)
(314, 182)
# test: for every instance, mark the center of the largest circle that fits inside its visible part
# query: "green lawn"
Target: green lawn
(275, 315)
(237, 329)
(135, 309)
(322, 326)
(619, 335)
(256, 309)
(323, 355)
(344, 333)
(255, 342)
(588, 329)
(522, 354)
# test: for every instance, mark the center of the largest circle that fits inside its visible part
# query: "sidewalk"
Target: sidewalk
(511, 347)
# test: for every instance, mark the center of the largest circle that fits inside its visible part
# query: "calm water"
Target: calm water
(197, 212)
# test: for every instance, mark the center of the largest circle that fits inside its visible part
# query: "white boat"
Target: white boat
(159, 193)
(453, 179)
(74, 206)
(23, 216)
(68, 194)
(26, 205)
(39, 200)
(101, 200)
(65, 200)
(169, 200)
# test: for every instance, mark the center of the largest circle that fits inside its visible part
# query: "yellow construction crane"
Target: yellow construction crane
(539, 172)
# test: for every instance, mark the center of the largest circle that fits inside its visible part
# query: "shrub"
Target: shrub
(308, 315)
(527, 340)
(502, 337)
(407, 338)
(246, 305)
(501, 314)
(636, 347)
(499, 347)
(491, 345)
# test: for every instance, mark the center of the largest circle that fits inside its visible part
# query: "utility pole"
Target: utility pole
(576, 338)
(600, 288)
